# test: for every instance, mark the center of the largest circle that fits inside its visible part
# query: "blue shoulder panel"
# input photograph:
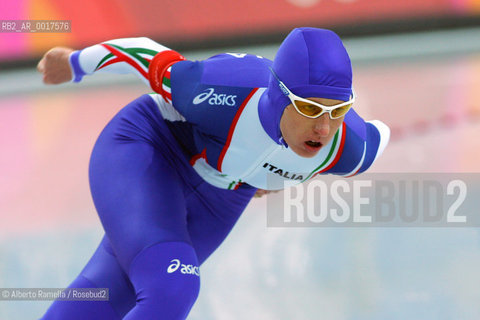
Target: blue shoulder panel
(185, 77)
(209, 94)
(373, 143)
(358, 135)
(238, 70)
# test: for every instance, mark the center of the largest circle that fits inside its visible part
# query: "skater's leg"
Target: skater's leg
(102, 271)
(140, 199)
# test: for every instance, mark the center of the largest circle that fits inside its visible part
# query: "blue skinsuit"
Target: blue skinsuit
(171, 174)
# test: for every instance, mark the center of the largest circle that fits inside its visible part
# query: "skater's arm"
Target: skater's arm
(120, 56)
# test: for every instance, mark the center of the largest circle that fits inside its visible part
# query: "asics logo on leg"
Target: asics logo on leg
(215, 99)
(175, 265)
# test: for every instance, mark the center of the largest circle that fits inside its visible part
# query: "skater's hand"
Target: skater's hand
(261, 193)
(55, 66)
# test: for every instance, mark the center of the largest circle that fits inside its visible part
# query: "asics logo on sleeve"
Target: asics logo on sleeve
(215, 99)
(203, 96)
(184, 268)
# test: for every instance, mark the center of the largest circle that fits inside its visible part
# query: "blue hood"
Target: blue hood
(312, 63)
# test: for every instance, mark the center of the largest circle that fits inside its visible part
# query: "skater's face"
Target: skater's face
(306, 136)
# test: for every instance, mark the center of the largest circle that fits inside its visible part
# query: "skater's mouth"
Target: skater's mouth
(313, 146)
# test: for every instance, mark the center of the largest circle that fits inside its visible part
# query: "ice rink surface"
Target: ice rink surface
(424, 86)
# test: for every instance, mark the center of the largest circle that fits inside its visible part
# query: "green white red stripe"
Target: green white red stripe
(234, 185)
(333, 155)
(166, 85)
(138, 58)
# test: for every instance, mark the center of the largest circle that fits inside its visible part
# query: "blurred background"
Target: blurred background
(416, 67)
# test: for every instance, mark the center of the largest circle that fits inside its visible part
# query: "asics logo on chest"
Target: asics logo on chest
(215, 99)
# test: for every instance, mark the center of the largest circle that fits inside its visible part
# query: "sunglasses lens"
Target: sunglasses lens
(341, 111)
(307, 108)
